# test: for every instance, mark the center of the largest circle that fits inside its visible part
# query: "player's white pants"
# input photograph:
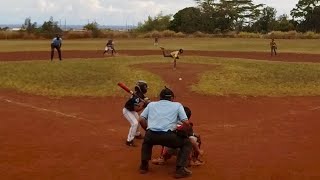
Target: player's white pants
(132, 117)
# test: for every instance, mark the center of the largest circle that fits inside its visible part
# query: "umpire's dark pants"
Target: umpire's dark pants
(52, 51)
(168, 139)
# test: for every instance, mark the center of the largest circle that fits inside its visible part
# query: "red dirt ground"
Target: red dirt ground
(254, 138)
(43, 55)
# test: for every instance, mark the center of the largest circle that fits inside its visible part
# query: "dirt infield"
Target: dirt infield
(83, 138)
(42, 55)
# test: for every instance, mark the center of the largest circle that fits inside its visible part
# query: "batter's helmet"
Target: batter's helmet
(141, 86)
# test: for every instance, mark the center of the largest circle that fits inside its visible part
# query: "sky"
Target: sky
(104, 12)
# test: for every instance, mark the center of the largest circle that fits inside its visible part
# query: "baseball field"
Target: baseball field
(257, 115)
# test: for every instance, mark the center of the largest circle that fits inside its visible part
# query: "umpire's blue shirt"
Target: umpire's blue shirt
(163, 115)
(56, 42)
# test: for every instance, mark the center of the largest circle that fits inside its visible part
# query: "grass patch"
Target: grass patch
(98, 77)
(76, 77)
(259, 78)
(207, 44)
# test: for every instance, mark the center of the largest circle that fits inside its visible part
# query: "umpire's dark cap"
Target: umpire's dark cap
(166, 94)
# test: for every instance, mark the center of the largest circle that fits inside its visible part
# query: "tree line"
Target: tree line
(220, 16)
(212, 17)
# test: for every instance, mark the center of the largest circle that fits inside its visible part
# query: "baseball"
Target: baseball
(180, 79)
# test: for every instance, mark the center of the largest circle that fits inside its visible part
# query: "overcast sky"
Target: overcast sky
(105, 12)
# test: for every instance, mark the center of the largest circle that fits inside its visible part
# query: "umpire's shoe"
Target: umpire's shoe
(144, 167)
(182, 172)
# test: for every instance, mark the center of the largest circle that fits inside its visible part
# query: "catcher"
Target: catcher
(273, 47)
(135, 104)
(194, 159)
(174, 55)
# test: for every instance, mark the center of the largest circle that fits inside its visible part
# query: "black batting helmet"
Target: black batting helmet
(141, 86)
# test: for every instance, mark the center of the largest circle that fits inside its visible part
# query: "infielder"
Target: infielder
(56, 44)
(135, 104)
(273, 47)
(174, 55)
(109, 47)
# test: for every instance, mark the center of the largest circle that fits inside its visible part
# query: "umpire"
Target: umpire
(56, 44)
(160, 119)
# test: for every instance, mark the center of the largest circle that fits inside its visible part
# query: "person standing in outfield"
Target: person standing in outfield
(160, 120)
(274, 47)
(156, 41)
(173, 54)
(135, 104)
(56, 44)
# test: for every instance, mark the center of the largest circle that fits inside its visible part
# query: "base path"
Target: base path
(43, 55)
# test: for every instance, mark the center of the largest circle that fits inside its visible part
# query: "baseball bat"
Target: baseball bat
(124, 87)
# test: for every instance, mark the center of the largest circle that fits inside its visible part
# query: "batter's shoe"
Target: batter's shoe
(182, 172)
(130, 143)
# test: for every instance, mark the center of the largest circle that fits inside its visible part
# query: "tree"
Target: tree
(29, 26)
(267, 20)
(303, 8)
(94, 28)
(49, 28)
(306, 14)
(229, 14)
(160, 23)
(311, 22)
(187, 20)
(283, 24)
(242, 12)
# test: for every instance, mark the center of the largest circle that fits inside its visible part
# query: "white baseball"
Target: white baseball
(180, 79)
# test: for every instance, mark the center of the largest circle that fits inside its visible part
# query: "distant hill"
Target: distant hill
(77, 27)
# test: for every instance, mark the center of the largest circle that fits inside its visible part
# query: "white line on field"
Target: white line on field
(42, 109)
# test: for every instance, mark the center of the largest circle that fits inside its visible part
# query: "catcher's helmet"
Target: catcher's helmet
(166, 94)
(141, 86)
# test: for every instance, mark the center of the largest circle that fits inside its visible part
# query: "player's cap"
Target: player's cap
(166, 94)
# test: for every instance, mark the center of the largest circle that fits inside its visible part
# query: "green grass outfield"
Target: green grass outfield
(207, 44)
(98, 77)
